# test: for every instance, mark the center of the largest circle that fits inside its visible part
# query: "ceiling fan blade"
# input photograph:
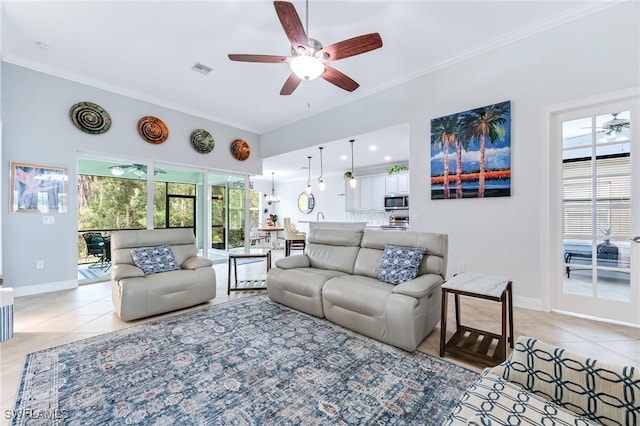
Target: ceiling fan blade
(292, 25)
(341, 80)
(351, 47)
(290, 85)
(275, 59)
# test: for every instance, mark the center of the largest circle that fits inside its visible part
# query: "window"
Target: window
(174, 205)
(106, 203)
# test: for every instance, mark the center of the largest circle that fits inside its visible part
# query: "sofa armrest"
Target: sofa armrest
(196, 262)
(125, 270)
(419, 286)
(290, 262)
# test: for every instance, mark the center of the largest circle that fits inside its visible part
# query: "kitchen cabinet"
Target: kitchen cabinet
(368, 195)
(352, 197)
(371, 195)
(397, 183)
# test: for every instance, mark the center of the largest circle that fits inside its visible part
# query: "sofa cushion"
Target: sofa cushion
(400, 263)
(494, 401)
(360, 294)
(299, 288)
(601, 392)
(335, 249)
(434, 262)
(153, 260)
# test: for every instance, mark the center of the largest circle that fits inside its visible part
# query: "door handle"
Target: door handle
(636, 239)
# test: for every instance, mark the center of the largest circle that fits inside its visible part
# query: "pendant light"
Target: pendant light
(272, 198)
(321, 183)
(352, 181)
(309, 177)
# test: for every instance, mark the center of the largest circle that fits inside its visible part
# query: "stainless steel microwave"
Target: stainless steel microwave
(396, 202)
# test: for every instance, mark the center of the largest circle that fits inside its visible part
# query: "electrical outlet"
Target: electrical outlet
(461, 266)
(40, 264)
(47, 220)
(416, 218)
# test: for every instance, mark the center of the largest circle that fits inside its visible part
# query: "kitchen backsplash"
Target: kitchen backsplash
(372, 218)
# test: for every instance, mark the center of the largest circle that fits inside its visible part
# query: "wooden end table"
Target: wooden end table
(471, 342)
(242, 253)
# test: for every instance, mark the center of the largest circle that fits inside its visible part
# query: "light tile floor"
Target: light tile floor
(46, 320)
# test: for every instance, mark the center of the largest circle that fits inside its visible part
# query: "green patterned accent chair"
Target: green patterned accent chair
(540, 384)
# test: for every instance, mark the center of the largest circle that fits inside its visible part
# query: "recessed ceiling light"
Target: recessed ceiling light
(43, 46)
(373, 148)
(387, 158)
(343, 157)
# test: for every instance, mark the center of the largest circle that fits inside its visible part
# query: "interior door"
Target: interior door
(599, 213)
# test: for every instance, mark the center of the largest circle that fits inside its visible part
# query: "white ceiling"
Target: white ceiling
(145, 49)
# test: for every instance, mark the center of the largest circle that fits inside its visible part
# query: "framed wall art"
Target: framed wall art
(38, 188)
(471, 153)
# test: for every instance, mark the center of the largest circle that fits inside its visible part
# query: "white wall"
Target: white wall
(37, 129)
(330, 201)
(595, 54)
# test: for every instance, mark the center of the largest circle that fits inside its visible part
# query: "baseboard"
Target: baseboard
(44, 288)
(527, 303)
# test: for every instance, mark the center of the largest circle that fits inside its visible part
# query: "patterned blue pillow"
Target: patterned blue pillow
(400, 264)
(155, 259)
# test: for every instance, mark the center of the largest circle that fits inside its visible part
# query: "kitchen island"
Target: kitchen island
(314, 224)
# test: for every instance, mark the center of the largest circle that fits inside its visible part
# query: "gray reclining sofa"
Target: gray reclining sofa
(337, 278)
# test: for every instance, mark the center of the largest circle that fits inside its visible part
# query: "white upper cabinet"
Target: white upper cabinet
(368, 195)
(397, 183)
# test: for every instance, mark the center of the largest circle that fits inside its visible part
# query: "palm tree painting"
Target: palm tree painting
(471, 153)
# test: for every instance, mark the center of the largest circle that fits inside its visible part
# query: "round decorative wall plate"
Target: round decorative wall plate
(153, 130)
(90, 117)
(202, 141)
(240, 150)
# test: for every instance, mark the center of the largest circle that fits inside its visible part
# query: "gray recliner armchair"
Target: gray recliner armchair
(137, 294)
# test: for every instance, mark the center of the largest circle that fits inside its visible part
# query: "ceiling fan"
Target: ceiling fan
(137, 169)
(309, 58)
(616, 124)
(613, 126)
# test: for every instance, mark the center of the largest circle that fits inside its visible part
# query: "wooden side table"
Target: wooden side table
(471, 342)
(242, 253)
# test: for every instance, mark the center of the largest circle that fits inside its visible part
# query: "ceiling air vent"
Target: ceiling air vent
(201, 68)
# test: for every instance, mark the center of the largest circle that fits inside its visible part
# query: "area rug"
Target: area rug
(246, 362)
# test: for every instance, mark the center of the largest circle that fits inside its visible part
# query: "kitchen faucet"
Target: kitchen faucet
(318, 216)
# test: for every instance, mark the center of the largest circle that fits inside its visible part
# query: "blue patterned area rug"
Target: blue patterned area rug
(246, 362)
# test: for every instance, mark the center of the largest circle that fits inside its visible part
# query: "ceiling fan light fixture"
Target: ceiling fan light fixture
(306, 67)
(117, 170)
